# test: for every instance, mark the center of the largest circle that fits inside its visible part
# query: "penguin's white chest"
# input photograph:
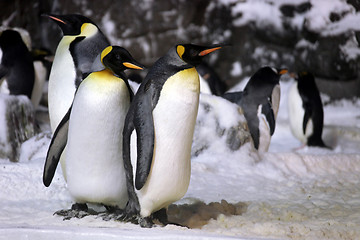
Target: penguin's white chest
(264, 131)
(61, 87)
(94, 164)
(174, 121)
(264, 127)
(296, 114)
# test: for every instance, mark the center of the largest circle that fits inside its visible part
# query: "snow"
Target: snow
(287, 194)
(236, 69)
(317, 19)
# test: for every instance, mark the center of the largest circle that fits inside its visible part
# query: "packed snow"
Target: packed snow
(287, 193)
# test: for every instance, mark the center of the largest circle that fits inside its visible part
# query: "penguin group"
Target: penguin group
(22, 71)
(98, 122)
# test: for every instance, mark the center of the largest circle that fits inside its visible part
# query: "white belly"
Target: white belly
(275, 99)
(94, 165)
(61, 87)
(40, 76)
(264, 131)
(174, 122)
(296, 113)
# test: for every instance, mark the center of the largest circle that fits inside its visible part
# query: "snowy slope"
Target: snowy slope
(308, 193)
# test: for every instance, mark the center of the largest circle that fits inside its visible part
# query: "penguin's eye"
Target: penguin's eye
(118, 57)
(193, 53)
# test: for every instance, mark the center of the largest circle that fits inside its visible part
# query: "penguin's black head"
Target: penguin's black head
(193, 54)
(70, 24)
(9, 38)
(270, 74)
(304, 75)
(117, 59)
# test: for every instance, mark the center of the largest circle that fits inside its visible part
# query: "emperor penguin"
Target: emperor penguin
(306, 115)
(77, 53)
(16, 64)
(163, 114)
(92, 133)
(260, 101)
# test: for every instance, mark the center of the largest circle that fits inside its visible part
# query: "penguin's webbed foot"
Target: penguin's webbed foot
(146, 222)
(117, 214)
(78, 210)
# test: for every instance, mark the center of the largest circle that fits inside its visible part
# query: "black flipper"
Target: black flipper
(234, 97)
(267, 110)
(57, 145)
(253, 124)
(133, 206)
(144, 126)
(307, 115)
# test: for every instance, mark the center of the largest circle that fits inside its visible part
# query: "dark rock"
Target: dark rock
(17, 124)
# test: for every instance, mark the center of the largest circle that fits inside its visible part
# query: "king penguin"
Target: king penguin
(163, 114)
(16, 64)
(78, 53)
(260, 103)
(306, 115)
(92, 131)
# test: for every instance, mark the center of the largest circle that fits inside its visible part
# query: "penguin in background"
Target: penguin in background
(163, 114)
(306, 114)
(92, 133)
(16, 64)
(210, 82)
(77, 53)
(260, 101)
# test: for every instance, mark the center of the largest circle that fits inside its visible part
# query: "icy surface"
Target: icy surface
(307, 193)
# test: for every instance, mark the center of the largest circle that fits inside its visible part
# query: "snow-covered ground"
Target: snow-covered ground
(310, 193)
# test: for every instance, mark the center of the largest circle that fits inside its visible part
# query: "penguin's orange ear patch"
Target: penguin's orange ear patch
(207, 51)
(180, 50)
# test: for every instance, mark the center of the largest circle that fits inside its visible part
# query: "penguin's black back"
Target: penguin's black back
(85, 52)
(313, 107)
(258, 91)
(16, 64)
(217, 86)
(262, 82)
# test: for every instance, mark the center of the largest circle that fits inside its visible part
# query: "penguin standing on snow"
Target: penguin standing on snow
(16, 64)
(260, 103)
(92, 131)
(306, 115)
(78, 53)
(163, 114)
